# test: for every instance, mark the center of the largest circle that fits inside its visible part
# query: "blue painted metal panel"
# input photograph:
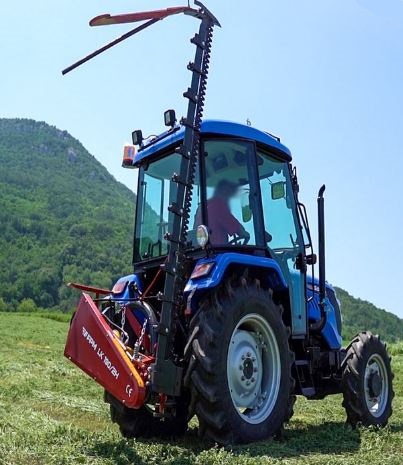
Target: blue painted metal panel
(125, 294)
(220, 128)
(330, 332)
(222, 261)
(129, 279)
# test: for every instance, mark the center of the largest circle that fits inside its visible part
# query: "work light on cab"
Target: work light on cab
(137, 137)
(170, 118)
(202, 235)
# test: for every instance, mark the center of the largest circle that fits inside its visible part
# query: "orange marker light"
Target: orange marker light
(129, 153)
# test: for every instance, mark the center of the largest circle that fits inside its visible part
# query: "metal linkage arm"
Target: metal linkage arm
(110, 45)
(151, 16)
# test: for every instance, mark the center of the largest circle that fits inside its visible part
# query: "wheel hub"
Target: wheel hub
(253, 368)
(244, 376)
(375, 384)
(248, 368)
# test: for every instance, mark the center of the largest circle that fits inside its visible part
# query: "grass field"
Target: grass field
(51, 413)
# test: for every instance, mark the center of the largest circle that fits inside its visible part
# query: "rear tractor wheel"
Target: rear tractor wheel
(240, 367)
(367, 381)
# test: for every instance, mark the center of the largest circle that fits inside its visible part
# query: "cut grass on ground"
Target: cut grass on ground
(51, 413)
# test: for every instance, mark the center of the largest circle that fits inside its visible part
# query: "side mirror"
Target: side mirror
(246, 210)
(278, 190)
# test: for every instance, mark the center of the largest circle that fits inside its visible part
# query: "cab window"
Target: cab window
(278, 203)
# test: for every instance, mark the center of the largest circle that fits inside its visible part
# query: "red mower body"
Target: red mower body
(93, 347)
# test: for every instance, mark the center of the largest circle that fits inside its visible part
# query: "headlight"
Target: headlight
(202, 235)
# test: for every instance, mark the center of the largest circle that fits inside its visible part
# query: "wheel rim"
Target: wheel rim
(376, 385)
(253, 368)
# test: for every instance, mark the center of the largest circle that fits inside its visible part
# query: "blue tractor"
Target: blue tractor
(221, 318)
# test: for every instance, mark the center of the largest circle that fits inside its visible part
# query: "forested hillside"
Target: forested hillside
(359, 314)
(64, 218)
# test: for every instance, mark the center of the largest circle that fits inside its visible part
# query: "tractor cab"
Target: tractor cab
(244, 201)
(242, 175)
(244, 197)
(219, 318)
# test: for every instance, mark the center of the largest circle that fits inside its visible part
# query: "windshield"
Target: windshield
(156, 191)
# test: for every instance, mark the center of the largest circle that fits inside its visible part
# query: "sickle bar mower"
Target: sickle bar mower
(132, 371)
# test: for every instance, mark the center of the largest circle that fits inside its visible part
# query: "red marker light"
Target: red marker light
(202, 269)
(119, 287)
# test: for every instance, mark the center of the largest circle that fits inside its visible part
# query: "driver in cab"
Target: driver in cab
(222, 223)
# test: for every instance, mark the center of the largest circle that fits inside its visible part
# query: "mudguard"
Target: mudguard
(220, 264)
(93, 347)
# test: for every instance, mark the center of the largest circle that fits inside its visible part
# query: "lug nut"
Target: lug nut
(248, 354)
(253, 359)
(252, 380)
(243, 357)
(243, 378)
(255, 370)
(248, 383)
(241, 367)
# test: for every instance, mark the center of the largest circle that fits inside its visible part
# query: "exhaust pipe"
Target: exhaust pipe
(319, 325)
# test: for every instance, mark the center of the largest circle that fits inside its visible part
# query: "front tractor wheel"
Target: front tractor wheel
(367, 381)
(241, 365)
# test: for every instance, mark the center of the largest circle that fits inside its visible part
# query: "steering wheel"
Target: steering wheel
(236, 240)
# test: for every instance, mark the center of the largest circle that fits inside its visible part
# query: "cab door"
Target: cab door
(283, 233)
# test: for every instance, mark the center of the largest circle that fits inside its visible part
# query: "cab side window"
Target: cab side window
(277, 200)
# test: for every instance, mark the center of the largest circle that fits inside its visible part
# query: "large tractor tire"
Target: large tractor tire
(140, 423)
(367, 381)
(240, 365)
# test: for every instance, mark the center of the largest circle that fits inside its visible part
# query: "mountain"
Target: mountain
(64, 218)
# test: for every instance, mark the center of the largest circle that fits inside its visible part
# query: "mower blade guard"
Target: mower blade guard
(94, 348)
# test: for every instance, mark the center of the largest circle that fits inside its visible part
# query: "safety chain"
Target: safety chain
(139, 342)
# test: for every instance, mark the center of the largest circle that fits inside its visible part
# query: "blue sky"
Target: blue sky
(324, 75)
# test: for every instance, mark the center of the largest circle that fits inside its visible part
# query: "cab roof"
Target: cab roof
(215, 127)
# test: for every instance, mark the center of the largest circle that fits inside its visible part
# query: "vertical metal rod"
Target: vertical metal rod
(166, 376)
(322, 244)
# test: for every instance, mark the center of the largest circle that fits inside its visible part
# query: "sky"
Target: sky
(324, 75)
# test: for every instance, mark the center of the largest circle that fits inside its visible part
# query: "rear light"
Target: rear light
(129, 153)
(119, 287)
(202, 269)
